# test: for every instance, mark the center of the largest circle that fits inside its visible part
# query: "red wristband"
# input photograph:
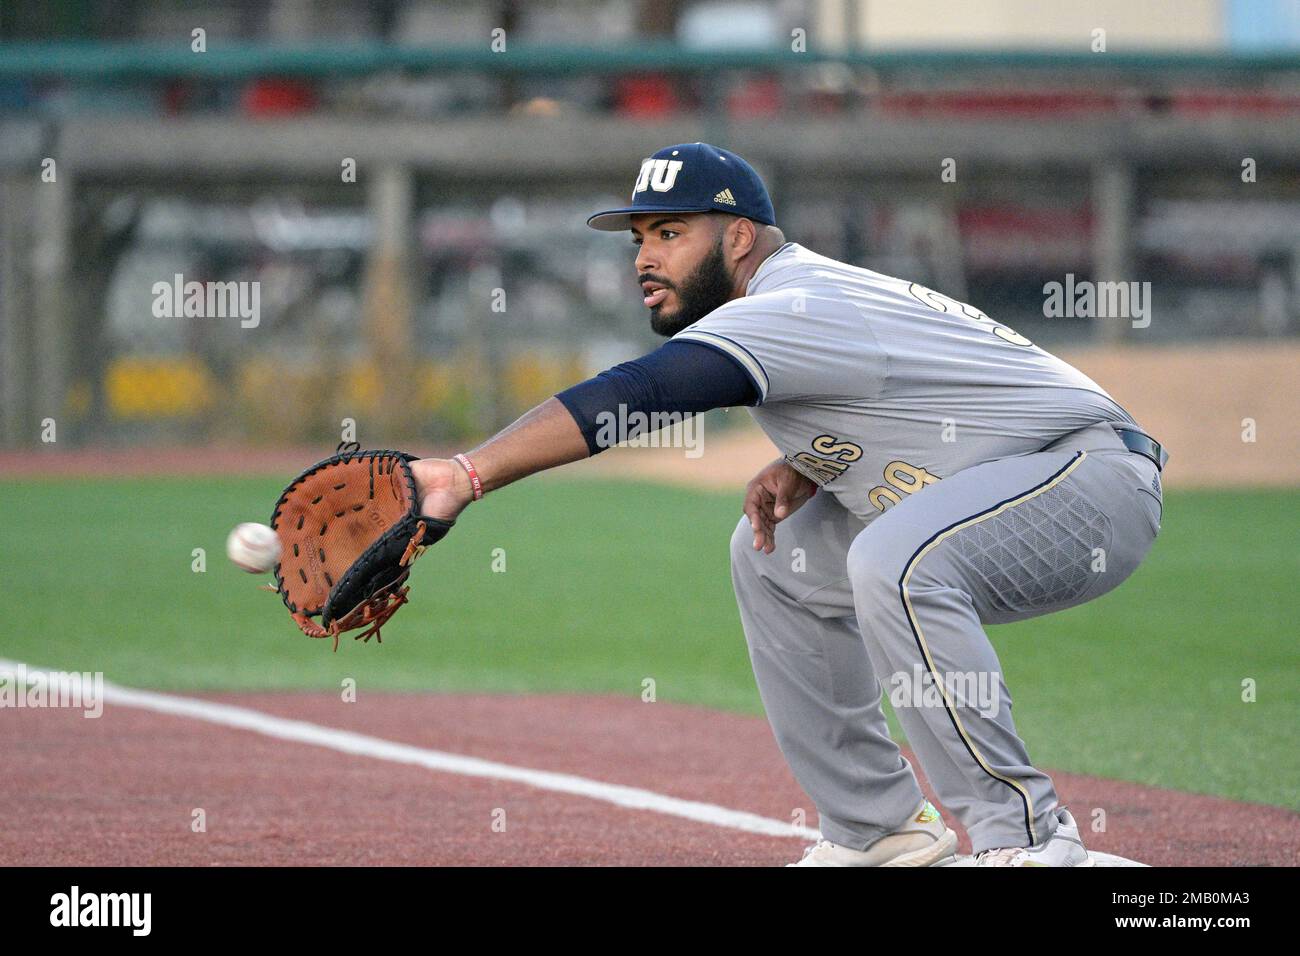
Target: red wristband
(475, 482)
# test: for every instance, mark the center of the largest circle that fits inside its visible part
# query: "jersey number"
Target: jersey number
(942, 303)
(900, 479)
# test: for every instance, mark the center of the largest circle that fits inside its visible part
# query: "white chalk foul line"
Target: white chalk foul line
(300, 731)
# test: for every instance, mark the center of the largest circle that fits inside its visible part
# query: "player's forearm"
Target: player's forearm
(544, 437)
(678, 377)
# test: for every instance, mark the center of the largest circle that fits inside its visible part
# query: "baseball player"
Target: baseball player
(938, 472)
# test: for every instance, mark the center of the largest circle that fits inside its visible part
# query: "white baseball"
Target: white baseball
(253, 547)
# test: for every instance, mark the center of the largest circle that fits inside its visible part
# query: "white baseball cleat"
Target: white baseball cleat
(1062, 848)
(922, 841)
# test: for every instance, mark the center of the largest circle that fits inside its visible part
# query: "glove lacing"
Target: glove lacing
(375, 611)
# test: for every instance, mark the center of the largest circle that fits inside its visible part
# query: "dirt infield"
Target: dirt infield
(122, 789)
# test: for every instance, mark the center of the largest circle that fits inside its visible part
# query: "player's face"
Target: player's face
(680, 267)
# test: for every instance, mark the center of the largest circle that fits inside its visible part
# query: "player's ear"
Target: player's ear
(741, 236)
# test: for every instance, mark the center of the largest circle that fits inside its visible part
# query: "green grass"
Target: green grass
(608, 584)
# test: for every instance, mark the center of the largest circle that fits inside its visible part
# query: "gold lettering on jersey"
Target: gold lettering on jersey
(833, 458)
(880, 494)
(820, 470)
(899, 477)
(907, 477)
(839, 450)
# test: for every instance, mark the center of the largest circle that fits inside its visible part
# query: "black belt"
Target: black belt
(1143, 444)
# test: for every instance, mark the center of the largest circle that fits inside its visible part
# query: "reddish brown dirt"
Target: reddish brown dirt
(121, 790)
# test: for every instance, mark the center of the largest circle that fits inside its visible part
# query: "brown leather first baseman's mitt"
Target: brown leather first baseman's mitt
(349, 528)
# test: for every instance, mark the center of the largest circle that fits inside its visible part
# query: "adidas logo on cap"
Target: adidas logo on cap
(725, 197)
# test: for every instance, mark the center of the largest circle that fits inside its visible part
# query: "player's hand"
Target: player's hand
(442, 486)
(771, 496)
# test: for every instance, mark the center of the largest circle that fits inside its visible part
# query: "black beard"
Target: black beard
(708, 287)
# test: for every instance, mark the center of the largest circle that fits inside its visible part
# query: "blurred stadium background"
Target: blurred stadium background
(476, 166)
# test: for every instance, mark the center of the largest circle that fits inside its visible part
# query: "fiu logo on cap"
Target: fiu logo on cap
(657, 174)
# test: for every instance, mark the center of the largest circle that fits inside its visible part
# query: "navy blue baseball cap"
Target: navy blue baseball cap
(692, 177)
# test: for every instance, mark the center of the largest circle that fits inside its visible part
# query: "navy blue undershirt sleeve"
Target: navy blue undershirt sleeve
(678, 377)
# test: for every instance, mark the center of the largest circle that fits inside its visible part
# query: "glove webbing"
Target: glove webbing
(375, 611)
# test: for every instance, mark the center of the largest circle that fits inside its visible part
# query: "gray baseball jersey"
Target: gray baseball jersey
(874, 387)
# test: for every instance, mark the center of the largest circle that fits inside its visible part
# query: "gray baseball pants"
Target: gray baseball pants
(841, 611)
